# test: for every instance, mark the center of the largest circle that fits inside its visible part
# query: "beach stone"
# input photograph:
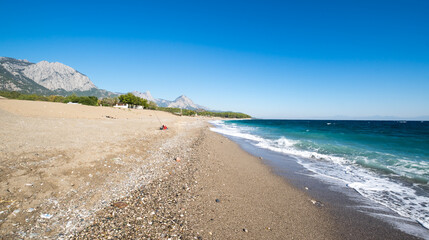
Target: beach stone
(120, 204)
(245, 230)
(317, 203)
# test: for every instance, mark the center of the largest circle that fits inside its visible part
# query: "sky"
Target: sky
(270, 59)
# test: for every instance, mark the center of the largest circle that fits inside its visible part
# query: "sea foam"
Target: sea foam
(394, 194)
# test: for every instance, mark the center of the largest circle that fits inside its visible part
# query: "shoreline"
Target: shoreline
(214, 192)
(357, 216)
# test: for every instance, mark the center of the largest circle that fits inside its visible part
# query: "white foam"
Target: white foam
(394, 195)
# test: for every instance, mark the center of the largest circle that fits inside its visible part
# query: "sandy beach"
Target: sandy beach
(61, 162)
(81, 172)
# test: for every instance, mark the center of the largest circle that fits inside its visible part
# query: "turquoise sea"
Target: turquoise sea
(385, 161)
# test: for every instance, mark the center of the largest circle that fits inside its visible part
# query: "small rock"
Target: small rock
(217, 200)
(245, 230)
(317, 203)
(120, 204)
(177, 159)
(46, 215)
(30, 210)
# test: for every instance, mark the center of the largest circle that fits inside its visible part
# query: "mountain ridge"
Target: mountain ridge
(46, 78)
(55, 78)
(180, 102)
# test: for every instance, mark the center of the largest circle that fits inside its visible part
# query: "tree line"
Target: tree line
(85, 100)
(187, 112)
(128, 98)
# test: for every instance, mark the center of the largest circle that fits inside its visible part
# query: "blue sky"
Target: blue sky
(271, 59)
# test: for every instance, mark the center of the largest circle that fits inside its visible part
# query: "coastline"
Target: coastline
(355, 216)
(98, 177)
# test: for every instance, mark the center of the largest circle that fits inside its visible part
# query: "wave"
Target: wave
(370, 179)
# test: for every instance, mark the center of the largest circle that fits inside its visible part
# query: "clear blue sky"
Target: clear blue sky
(271, 59)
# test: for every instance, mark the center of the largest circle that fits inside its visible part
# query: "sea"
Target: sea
(386, 162)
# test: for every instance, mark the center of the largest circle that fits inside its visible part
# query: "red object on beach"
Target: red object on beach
(164, 127)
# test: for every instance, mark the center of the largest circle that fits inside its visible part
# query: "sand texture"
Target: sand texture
(60, 163)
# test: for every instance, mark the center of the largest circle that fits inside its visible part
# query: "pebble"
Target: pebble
(120, 204)
(317, 203)
(46, 215)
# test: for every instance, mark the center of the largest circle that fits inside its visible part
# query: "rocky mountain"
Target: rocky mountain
(183, 102)
(12, 78)
(180, 102)
(45, 78)
(56, 75)
(146, 95)
(54, 78)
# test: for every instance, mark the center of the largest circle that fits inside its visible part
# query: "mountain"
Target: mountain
(56, 75)
(12, 78)
(146, 95)
(54, 78)
(180, 102)
(183, 102)
(45, 78)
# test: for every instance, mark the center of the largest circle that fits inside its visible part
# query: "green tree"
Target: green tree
(152, 105)
(131, 99)
(109, 101)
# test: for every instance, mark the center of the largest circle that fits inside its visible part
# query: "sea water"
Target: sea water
(384, 161)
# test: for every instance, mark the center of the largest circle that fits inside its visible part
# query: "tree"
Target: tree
(152, 105)
(131, 99)
(109, 101)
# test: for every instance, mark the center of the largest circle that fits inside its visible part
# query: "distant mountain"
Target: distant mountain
(45, 78)
(56, 75)
(146, 95)
(54, 78)
(183, 102)
(180, 102)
